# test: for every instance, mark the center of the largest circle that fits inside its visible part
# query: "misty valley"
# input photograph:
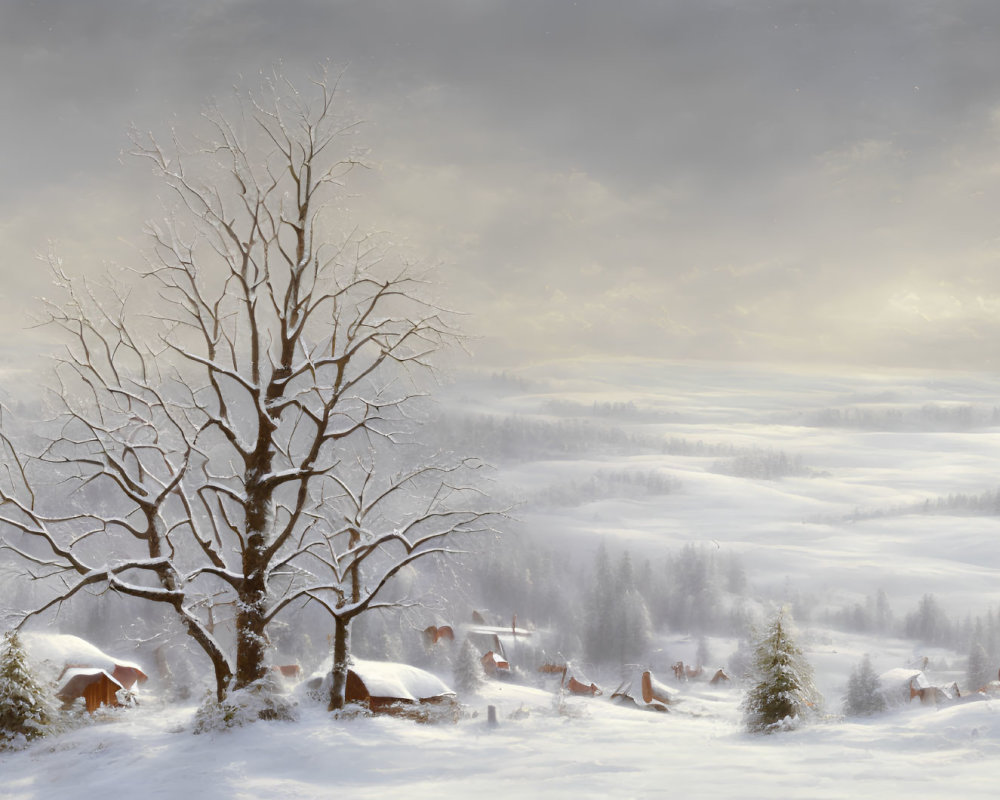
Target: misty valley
(659, 515)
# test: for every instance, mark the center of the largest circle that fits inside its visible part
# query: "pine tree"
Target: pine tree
(468, 674)
(929, 623)
(703, 656)
(24, 712)
(864, 695)
(599, 629)
(634, 629)
(784, 690)
(883, 612)
(631, 628)
(979, 670)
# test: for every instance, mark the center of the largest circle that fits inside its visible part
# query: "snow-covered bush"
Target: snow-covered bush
(864, 693)
(262, 699)
(24, 707)
(783, 692)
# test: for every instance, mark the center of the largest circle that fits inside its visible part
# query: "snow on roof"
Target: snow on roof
(75, 673)
(502, 630)
(388, 679)
(903, 676)
(53, 651)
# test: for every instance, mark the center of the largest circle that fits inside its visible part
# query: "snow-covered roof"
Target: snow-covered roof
(904, 676)
(501, 630)
(386, 679)
(75, 681)
(86, 672)
(51, 652)
(389, 679)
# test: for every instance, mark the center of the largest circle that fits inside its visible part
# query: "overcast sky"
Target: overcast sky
(744, 180)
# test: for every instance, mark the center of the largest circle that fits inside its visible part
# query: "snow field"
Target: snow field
(797, 535)
(590, 748)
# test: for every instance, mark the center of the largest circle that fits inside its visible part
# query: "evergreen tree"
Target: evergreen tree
(979, 670)
(468, 674)
(883, 612)
(599, 628)
(864, 695)
(740, 661)
(703, 656)
(784, 691)
(929, 623)
(632, 627)
(992, 650)
(24, 712)
(635, 630)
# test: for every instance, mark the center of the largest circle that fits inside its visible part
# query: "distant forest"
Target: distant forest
(519, 439)
(928, 417)
(984, 504)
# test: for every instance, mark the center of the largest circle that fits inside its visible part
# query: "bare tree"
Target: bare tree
(224, 426)
(388, 521)
(102, 494)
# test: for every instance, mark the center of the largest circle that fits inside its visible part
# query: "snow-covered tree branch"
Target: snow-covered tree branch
(219, 403)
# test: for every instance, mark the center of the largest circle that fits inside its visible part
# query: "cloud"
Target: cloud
(722, 179)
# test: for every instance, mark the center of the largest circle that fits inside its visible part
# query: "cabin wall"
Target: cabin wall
(99, 693)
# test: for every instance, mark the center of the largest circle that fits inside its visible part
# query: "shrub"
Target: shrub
(24, 708)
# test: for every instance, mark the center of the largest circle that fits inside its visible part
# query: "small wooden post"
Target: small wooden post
(491, 716)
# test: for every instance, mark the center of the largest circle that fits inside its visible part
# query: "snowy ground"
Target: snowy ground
(837, 534)
(591, 748)
(801, 533)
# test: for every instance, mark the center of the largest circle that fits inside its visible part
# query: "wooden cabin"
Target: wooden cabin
(902, 686)
(390, 688)
(573, 686)
(719, 677)
(434, 634)
(95, 686)
(495, 665)
(292, 672)
(685, 672)
(936, 695)
(644, 691)
(52, 654)
(654, 691)
(128, 675)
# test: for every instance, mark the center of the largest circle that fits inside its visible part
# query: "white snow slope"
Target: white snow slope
(590, 749)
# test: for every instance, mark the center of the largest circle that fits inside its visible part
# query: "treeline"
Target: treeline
(762, 464)
(514, 439)
(626, 411)
(928, 624)
(928, 417)
(955, 504)
(604, 607)
(602, 485)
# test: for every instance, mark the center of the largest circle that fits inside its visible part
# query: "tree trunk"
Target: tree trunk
(155, 537)
(251, 638)
(341, 660)
(342, 639)
(223, 672)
